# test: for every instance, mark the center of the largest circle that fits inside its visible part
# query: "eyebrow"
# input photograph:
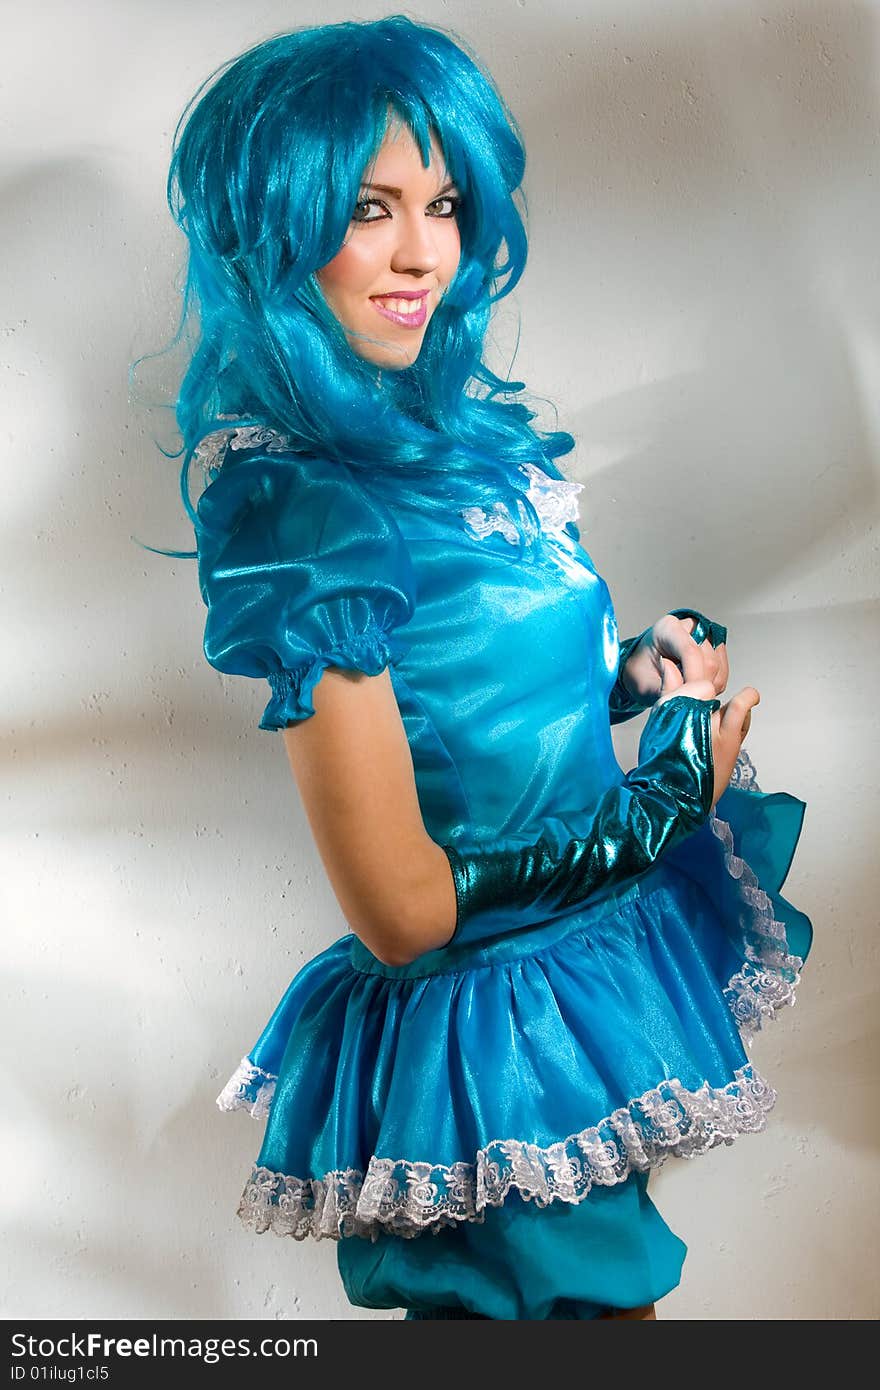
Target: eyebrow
(396, 192)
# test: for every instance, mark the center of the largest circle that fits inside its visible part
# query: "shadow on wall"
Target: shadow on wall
(726, 479)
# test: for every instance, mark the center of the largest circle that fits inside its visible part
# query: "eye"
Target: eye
(368, 203)
(448, 198)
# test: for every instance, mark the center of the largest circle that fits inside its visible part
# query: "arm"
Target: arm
(353, 768)
(308, 583)
(404, 895)
(686, 756)
(578, 856)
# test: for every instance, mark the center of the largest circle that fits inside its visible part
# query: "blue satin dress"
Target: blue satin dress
(478, 1136)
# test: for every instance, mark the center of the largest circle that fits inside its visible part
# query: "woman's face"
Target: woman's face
(401, 252)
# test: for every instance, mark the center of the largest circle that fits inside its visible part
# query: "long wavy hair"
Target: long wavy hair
(267, 164)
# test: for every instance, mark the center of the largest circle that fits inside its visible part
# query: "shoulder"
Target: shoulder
(275, 517)
(299, 568)
(254, 473)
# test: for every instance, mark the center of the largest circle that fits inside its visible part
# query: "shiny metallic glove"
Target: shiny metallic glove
(621, 703)
(578, 856)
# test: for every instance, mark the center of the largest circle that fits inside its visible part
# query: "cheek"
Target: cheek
(453, 254)
(350, 270)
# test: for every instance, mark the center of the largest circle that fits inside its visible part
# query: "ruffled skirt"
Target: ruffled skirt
(546, 1064)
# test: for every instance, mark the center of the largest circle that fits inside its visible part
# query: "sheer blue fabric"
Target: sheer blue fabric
(555, 1059)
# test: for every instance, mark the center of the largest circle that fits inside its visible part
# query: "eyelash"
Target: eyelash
(377, 202)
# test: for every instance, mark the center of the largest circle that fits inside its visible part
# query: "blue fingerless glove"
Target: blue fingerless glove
(507, 887)
(703, 627)
(621, 704)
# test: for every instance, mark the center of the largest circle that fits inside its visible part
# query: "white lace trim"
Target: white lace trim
(554, 499)
(770, 977)
(410, 1198)
(482, 522)
(744, 776)
(211, 449)
(248, 1088)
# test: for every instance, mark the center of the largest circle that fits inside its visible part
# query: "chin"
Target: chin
(398, 364)
(395, 362)
(395, 357)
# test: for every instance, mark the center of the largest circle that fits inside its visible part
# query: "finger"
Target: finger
(673, 639)
(710, 662)
(698, 690)
(670, 676)
(722, 675)
(679, 644)
(736, 714)
(701, 690)
(717, 665)
(693, 661)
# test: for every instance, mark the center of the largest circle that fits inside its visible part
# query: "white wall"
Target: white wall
(702, 306)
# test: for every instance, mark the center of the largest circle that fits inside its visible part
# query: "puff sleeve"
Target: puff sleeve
(300, 568)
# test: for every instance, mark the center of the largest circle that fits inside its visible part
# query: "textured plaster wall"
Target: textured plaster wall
(703, 308)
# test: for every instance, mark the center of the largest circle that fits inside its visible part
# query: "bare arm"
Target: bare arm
(353, 768)
(395, 885)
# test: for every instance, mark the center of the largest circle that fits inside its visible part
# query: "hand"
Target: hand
(667, 656)
(730, 724)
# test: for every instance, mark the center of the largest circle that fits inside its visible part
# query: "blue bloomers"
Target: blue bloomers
(523, 1262)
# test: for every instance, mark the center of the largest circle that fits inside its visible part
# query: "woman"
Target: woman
(552, 966)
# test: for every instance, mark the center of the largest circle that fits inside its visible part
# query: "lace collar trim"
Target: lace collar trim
(554, 499)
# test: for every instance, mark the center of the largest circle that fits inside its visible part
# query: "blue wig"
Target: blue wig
(266, 170)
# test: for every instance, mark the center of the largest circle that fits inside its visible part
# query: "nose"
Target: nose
(415, 249)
